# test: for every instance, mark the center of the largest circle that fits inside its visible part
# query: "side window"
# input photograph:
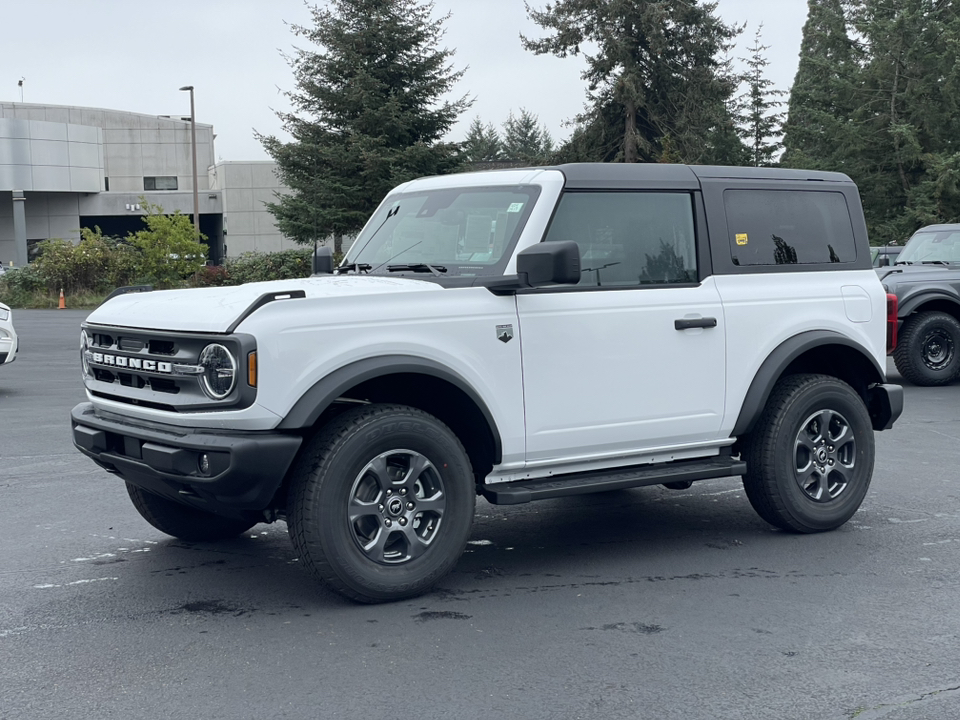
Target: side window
(783, 227)
(629, 239)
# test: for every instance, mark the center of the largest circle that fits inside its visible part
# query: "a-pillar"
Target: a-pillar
(19, 229)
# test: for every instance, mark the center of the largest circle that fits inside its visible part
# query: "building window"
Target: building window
(163, 182)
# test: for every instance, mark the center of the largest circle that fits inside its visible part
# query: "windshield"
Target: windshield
(456, 231)
(941, 246)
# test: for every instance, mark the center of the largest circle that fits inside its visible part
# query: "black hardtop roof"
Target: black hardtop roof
(629, 175)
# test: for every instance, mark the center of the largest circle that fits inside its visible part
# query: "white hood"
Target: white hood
(215, 309)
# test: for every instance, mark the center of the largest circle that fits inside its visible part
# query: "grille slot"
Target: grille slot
(130, 380)
(162, 347)
(164, 385)
(101, 340)
(130, 344)
(103, 375)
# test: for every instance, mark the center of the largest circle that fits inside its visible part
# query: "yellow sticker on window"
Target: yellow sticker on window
(742, 239)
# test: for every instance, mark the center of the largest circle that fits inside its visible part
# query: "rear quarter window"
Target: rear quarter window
(788, 227)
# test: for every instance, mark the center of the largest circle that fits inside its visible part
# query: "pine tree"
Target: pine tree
(760, 123)
(368, 114)
(655, 81)
(908, 114)
(525, 139)
(819, 132)
(482, 144)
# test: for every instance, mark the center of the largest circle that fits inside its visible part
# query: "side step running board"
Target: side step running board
(515, 493)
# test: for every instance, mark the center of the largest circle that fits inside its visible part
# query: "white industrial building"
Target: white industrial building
(66, 168)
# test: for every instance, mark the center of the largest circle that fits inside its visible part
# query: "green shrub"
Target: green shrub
(63, 265)
(169, 251)
(20, 286)
(259, 266)
(211, 276)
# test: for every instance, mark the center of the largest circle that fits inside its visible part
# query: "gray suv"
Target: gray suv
(926, 282)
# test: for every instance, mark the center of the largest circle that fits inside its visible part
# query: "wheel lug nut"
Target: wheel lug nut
(389, 492)
(403, 491)
(388, 522)
(380, 508)
(831, 462)
(409, 506)
(402, 521)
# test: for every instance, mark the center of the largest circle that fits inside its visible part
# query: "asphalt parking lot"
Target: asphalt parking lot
(647, 603)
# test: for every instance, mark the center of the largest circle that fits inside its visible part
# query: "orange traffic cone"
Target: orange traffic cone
(62, 305)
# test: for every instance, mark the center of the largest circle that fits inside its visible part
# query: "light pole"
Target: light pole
(193, 142)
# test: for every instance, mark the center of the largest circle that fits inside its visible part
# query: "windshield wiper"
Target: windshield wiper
(418, 267)
(355, 267)
(903, 262)
(934, 262)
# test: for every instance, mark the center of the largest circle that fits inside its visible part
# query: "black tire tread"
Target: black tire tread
(908, 364)
(759, 452)
(319, 451)
(183, 522)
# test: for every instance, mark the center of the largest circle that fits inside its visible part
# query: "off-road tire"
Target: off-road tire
(335, 468)
(185, 523)
(782, 439)
(928, 349)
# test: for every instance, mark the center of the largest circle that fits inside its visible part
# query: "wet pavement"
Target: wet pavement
(648, 603)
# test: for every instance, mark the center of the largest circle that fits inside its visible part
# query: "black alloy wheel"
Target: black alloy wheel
(381, 502)
(810, 454)
(396, 507)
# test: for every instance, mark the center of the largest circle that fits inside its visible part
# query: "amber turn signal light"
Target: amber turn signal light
(252, 369)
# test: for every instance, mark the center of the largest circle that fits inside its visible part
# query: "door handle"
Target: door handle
(688, 323)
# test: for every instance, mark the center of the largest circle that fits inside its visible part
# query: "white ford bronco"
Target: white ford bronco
(518, 334)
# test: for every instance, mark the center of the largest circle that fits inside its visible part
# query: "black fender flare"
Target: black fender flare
(911, 303)
(779, 360)
(319, 397)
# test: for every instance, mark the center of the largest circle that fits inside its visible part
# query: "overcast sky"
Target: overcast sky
(133, 56)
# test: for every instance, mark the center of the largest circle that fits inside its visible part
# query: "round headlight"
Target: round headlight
(219, 371)
(84, 344)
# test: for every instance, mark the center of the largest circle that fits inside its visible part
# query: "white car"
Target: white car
(8, 336)
(518, 334)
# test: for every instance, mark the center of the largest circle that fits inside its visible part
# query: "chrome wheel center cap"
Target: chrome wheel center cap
(395, 506)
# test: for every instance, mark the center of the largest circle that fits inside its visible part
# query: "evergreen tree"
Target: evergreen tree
(760, 121)
(908, 114)
(482, 144)
(368, 114)
(819, 132)
(657, 88)
(525, 139)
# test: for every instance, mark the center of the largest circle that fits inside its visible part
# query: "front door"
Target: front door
(632, 358)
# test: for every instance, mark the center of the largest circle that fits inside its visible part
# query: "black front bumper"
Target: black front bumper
(242, 474)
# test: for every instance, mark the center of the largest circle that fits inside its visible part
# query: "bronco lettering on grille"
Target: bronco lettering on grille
(132, 363)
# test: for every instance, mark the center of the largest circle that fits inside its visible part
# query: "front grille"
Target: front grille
(155, 369)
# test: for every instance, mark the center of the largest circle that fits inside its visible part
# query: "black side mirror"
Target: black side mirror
(550, 263)
(883, 261)
(323, 261)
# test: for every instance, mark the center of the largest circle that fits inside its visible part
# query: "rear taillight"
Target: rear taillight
(891, 322)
